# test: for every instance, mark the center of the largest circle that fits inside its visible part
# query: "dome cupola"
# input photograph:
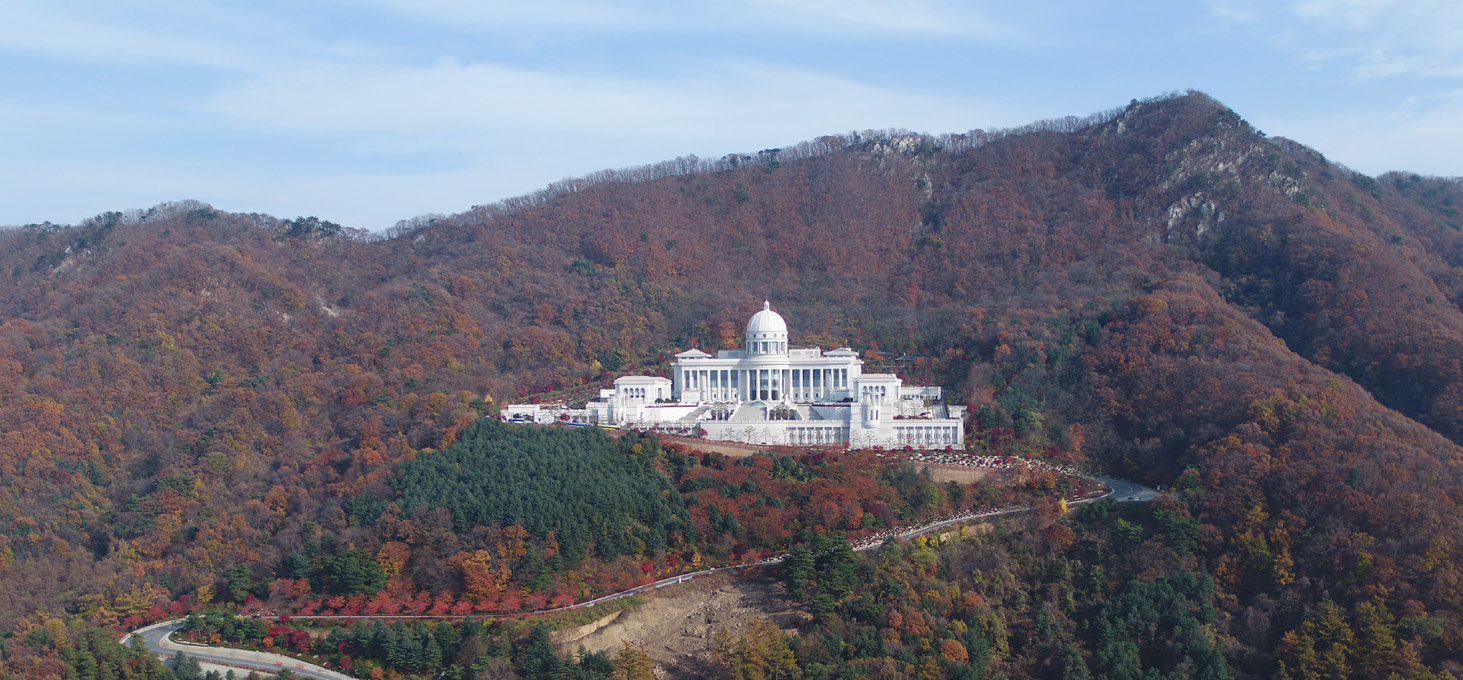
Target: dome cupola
(766, 332)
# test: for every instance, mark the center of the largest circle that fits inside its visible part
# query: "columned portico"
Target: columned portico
(769, 392)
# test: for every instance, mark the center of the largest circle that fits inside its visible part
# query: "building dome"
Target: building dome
(766, 333)
(766, 321)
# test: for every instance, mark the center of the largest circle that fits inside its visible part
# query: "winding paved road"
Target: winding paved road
(158, 640)
(1126, 492)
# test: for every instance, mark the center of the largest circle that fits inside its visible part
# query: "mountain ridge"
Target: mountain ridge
(1160, 290)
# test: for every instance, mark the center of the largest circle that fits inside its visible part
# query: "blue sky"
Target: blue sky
(374, 111)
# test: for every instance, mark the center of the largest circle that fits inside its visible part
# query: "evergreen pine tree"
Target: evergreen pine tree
(539, 661)
(431, 656)
(799, 573)
(448, 639)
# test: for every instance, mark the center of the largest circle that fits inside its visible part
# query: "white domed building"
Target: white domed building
(771, 393)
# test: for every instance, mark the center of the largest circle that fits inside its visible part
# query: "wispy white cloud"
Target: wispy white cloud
(1427, 126)
(367, 112)
(843, 19)
(1417, 135)
(1369, 38)
(451, 102)
(197, 33)
(395, 136)
(879, 17)
(558, 15)
(1238, 10)
(48, 29)
(1405, 55)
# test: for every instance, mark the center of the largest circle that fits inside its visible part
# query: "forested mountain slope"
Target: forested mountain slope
(1160, 290)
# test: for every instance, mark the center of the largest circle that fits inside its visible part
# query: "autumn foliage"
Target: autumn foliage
(200, 408)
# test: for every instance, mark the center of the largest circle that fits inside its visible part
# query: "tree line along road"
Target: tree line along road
(158, 636)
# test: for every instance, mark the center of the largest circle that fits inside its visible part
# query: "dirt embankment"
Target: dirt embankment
(675, 624)
(963, 474)
(733, 449)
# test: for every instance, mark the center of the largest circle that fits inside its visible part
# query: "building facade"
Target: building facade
(771, 393)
